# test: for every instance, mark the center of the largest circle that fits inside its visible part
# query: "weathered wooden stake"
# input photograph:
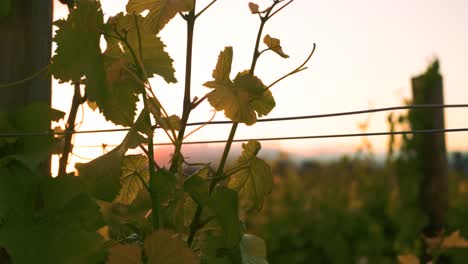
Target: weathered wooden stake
(25, 49)
(431, 149)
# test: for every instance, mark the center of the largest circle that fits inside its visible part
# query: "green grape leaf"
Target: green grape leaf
(49, 241)
(254, 8)
(198, 189)
(69, 220)
(102, 175)
(160, 11)
(242, 99)
(32, 118)
(253, 180)
(124, 254)
(165, 247)
(253, 250)
(275, 45)
(214, 249)
(67, 197)
(78, 53)
(16, 187)
(134, 171)
(224, 203)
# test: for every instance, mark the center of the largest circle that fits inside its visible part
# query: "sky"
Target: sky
(367, 53)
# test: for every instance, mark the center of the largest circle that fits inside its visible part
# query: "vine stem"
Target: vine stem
(297, 70)
(206, 8)
(77, 101)
(187, 107)
(155, 210)
(196, 222)
(70, 127)
(255, 56)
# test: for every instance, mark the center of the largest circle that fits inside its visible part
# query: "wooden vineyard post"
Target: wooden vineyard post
(430, 149)
(25, 50)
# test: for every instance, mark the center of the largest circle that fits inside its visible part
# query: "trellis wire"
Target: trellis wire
(427, 131)
(384, 109)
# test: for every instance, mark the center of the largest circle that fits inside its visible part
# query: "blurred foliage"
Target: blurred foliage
(352, 210)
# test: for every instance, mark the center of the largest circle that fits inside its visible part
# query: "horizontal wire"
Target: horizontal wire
(384, 109)
(426, 131)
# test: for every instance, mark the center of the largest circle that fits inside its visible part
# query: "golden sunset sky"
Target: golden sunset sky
(367, 52)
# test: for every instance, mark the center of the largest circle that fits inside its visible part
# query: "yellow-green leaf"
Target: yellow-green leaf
(124, 254)
(77, 41)
(223, 66)
(154, 58)
(102, 175)
(241, 100)
(275, 45)
(253, 250)
(165, 247)
(160, 11)
(134, 171)
(254, 179)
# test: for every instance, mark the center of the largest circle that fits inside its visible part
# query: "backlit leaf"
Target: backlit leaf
(78, 52)
(275, 45)
(102, 175)
(253, 180)
(160, 11)
(223, 66)
(165, 247)
(134, 170)
(243, 99)
(152, 54)
(124, 254)
(120, 92)
(117, 94)
(253, 250)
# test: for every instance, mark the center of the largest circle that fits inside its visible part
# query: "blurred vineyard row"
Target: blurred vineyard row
(349, 211)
